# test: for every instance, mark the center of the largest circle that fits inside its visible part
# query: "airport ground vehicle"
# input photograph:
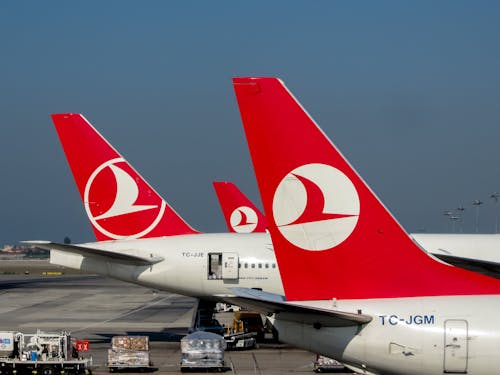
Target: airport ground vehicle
(40, 353)
(237, 335)
(129, 352)
(247, 328)
(235, 332)
(240, 340)
(249, 321)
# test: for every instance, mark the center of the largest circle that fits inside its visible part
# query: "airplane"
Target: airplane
(143, 240)
(241, 215)
(475, 252)
(140, 238)
(357, 286)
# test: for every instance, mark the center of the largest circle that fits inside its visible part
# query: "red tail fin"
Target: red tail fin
(240, 213)
(118, 202)
(332, 236)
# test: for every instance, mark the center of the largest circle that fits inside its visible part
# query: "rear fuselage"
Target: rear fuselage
(420, 335)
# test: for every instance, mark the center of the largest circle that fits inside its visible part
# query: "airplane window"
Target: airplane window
(267, 265)
(274, 265)
(253, 265)
(260, 265)
(246, 265)
(239, 265)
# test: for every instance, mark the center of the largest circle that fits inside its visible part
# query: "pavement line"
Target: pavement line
(125, 314)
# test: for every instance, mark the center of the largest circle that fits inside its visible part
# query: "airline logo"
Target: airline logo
(119, 203)
(316, 207)
(243, 220)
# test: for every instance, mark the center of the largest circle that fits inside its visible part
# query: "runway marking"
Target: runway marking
(256, 364)
(125, 314)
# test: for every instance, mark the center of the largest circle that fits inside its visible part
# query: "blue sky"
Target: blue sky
(409, 91)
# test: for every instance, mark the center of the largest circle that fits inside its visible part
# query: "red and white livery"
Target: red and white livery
(241, 215)
(141, 239)
(357, 287)
(119, 202)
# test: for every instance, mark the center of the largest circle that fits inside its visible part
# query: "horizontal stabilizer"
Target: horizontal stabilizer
(484, 267)
(120, 257)
(265, 303)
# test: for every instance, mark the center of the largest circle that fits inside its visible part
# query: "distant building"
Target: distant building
(20, 252)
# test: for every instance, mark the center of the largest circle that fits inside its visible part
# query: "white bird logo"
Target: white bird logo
(127, 193)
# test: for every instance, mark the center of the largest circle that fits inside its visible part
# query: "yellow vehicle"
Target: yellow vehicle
(246, 322)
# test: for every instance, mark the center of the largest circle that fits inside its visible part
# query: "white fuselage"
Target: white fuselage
(185, 268)
(425, 335)
(419, 335)
(201, 265)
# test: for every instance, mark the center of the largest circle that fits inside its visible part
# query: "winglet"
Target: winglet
(241, 215)
(118, 201)
(332, 236)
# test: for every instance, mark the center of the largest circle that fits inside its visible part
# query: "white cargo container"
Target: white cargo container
(202, 350)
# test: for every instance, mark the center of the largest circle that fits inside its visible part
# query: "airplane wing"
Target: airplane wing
(119, 257)
(265, 302)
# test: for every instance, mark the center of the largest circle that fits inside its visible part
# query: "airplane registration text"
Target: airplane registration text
(409, 320)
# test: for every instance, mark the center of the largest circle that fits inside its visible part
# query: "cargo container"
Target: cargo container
(203, 351)
(326, 364)
(140, 343)
(129, 352)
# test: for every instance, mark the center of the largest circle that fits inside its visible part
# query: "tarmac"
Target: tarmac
(95, 308)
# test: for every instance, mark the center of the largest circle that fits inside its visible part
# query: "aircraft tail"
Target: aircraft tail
(118, 201)
(241, 215)
(332, 236)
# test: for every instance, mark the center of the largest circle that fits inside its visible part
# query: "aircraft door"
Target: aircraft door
(230, 265)
(214, 266)
(455, 346)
